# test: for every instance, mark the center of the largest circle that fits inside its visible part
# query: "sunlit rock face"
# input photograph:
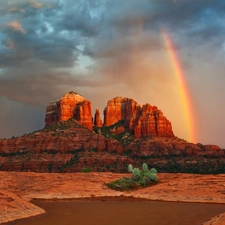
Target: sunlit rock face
(142, 121)
(119, 108)
(71, 105)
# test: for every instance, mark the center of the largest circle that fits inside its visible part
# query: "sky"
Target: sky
(103, 49)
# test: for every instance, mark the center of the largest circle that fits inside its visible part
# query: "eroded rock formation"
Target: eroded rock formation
(131, 133)
(142, 121)
(97, 120)
(71, 105)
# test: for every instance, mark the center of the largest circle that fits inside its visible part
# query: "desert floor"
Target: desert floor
(18, 188)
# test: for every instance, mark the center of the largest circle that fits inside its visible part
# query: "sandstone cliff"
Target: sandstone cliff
(71, 105)
(142, 121)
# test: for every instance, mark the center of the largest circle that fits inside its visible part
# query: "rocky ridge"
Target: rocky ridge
(131, 133)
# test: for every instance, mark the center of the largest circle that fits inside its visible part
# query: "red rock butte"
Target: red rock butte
(140, 120)
(71, 105)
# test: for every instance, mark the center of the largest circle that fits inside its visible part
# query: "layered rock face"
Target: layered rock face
(67, 147)
(71, 105)
(142, 121)
(64, 146)
(152, 122)
(119, 108)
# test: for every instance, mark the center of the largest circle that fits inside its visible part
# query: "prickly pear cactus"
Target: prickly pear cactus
(153, 170)
(137, 172)
(146, 173)
(143, 177)
(144, 166)
(130, 168)
(153, 177)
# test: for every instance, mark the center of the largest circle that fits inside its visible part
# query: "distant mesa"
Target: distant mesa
(140, 120)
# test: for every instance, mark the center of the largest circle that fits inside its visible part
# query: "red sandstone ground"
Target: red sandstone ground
(17, 188)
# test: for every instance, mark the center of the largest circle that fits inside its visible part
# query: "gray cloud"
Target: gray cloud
(17, 119)
(53, 33)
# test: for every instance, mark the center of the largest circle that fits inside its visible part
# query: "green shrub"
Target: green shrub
(139, 178)
(86, 170)
(50, 167)
(123, 184)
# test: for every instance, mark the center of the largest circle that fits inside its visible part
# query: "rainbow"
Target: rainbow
(181, 84)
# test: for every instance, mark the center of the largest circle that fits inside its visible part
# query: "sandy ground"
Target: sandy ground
(18, 188)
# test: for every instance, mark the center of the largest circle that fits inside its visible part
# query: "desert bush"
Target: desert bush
(86, 170)
(139, 178)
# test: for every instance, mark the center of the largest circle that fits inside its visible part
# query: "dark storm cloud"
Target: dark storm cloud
(79, 20)
(50, 31)
(48, 34)
(172, 13)
(37, 41)
(133, 31)
(191, 22)
(38, 44)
